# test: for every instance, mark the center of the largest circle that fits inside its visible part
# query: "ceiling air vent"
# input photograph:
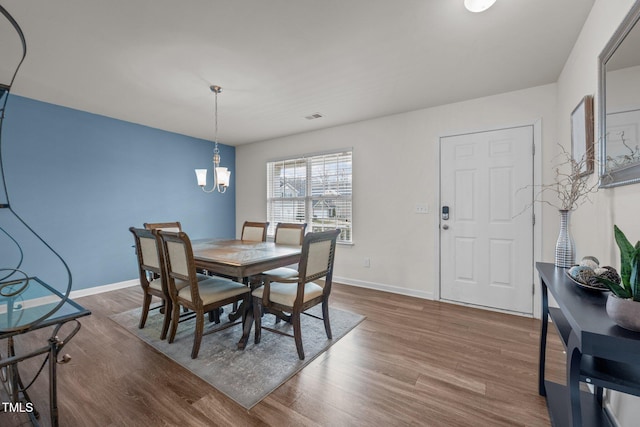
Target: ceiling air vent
(314, 116)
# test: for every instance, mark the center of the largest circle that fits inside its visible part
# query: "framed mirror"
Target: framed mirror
(619, 104)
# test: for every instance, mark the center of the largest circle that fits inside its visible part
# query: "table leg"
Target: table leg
(13, 382)
(55, 346)
(238, 310)
(247, 323)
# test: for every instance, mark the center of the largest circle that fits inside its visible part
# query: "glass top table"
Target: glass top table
(27, 304)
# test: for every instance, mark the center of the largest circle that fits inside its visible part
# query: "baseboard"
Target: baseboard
(104, 288)
(344, 280)
(36, 302)
(384, 287)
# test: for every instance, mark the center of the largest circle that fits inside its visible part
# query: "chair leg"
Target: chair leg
(325, 316)
(168, 309)
(257, 318)
(297, 333)
(175, 319)
(146, 303)
(214, 315)
(198, 335)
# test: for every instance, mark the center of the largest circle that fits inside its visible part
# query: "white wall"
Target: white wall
(592, 225)
(402, 245)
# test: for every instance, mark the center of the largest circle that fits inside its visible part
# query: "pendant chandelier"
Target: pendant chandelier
(221, 175)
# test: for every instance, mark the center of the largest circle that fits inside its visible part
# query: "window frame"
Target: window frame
(309, 199)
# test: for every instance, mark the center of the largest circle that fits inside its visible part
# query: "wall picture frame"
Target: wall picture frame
(582, 144)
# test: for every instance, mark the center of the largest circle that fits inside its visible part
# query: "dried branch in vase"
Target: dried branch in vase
(572, 186)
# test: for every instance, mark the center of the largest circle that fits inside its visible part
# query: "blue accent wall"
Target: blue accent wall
(80, 180)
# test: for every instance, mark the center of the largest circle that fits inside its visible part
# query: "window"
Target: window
(313, 189)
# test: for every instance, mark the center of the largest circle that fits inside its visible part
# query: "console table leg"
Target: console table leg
(543, 340)
(599, 395)
(574, 357)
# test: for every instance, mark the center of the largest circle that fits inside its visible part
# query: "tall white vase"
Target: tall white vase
(565, 247)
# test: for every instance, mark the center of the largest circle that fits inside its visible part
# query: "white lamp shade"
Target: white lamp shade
(223, 175)
(201, 174)
(478, 5)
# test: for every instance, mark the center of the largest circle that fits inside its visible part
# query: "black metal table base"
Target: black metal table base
(12, 380)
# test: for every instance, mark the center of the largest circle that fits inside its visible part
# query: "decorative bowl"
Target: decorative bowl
(598, 287)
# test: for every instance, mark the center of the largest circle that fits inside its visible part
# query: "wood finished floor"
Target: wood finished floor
(411, 362)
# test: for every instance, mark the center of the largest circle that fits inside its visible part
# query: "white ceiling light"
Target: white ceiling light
(478, 5)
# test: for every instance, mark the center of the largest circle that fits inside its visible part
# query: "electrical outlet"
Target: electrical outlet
(422, 208)
(366, 263)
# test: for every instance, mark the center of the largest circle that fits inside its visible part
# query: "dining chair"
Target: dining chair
(297, 294)
(254, 231)
(287, 234)
(151, 270)
(204, 296)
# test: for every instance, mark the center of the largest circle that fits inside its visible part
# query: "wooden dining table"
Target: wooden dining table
(241, 259)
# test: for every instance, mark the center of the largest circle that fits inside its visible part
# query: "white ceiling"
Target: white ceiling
(152, 61)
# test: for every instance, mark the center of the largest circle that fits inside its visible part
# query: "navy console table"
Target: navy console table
(598, 351)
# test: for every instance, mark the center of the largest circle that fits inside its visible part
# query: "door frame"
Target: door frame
(537, 210)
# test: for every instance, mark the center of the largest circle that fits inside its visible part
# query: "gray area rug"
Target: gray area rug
(264, 367)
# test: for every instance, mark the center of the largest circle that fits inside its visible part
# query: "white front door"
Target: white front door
(486, 244)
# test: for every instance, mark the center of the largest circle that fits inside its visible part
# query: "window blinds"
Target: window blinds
(314, 189)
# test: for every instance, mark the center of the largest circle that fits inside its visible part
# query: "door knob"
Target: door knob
(445, 227)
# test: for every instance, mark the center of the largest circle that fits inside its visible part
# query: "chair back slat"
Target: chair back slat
(290, 234)
(319, 258)
(253, 234)
(254, 231)
(149, 252)
(318, 253)
(179, 262)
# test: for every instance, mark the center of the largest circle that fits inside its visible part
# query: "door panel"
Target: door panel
(486, 245)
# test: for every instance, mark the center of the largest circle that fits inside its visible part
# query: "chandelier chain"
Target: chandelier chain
(216, 90)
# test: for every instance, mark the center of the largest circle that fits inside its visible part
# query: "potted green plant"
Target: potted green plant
(623, 304)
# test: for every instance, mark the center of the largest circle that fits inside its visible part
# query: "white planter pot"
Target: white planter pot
(625, 312)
